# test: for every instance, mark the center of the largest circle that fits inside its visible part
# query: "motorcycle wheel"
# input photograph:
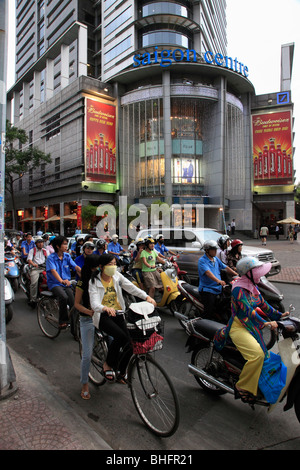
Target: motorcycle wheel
(200, 357)
(15, 284)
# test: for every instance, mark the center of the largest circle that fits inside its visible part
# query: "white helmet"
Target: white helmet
(159, 236)
(245, 265)
(210, 244)
(114, 237)
(132, 247)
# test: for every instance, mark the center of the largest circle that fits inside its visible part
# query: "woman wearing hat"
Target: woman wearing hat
(249, 314)
(235, 254)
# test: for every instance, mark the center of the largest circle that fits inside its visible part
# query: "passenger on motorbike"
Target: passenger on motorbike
(37, 261)
(101, 246)
(105, 295)
(224, 243)
(249, 314)
(151, 276)
(26, 245)
(161, 248)
(210, 281)
(235, 254)
(138, 263)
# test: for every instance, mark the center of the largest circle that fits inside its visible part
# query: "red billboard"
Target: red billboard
(272, 149)
(100, 147)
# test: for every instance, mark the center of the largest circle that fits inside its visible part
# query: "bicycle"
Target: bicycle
(152, 391)
(48, 316)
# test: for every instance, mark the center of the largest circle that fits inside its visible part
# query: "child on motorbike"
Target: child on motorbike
(249, 314)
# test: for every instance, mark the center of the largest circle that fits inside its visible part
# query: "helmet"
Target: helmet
(132, 247)
(101, 243)
(140, 241)
(244, 265)
(159, 236)
(114, 237)
(39, 240)
(223, 240)
(148, 241)
(235, 243)
(88, 245)
(210, 244)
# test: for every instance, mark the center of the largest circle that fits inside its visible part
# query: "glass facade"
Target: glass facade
(156, 8)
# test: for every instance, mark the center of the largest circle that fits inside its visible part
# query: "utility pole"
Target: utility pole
(7, 374)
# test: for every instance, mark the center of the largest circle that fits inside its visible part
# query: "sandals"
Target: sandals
(245, 396)
(121, 379)
(85, 395)
(109, 375)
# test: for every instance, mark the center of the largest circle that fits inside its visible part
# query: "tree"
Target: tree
(19, 161)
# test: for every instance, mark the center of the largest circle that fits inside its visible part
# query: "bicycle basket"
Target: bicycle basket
(150, 339)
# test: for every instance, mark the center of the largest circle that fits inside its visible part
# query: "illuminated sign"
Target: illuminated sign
(166, 57)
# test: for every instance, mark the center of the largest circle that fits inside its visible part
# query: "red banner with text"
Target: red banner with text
(100, 156)
(272, 149)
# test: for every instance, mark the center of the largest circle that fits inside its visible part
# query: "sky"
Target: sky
(256, 30)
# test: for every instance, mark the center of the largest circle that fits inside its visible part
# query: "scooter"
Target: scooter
(26, 281)
(13, 271)
(218, 371)
(9, 297)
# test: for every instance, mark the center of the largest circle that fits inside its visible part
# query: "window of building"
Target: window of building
(108, 3)
(119, 21)
(164, 7)
(53, 126)
(117, 50)
(164, 37)
(57, 168)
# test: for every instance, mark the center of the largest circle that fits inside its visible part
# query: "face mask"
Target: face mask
(110, 270)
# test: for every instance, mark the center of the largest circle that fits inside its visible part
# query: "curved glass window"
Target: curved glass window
(157, 8)
(164, 37)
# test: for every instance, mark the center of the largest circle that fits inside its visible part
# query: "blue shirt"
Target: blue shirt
(62, 266)
(80, 262)
(162, 249)
(115, 248)
(27, 247)
(214, 266)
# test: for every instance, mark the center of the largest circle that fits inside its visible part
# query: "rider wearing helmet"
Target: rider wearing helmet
(250, 314)
(210, 282)
(151, 276)
(114, 247)
(161, 248)
(100, 247)
(235, 254)
(224, 244)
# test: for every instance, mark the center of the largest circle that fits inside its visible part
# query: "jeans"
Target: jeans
(87, 331)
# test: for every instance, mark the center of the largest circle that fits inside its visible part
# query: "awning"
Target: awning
(70, 217)
(54, 218)
(38, 219)
(289, 220)
(28, 219)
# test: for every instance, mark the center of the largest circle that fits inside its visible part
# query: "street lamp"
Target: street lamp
(223, 217)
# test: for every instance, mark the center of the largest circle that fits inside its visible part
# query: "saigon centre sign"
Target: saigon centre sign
(166, 57)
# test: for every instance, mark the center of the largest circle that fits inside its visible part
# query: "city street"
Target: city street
(206, 422)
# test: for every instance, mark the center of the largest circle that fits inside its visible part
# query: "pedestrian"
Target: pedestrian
(228, 229)
(291, 234)
(232, 226)
(58, 269)
(87, 327)
(264, 232)
(277, 232)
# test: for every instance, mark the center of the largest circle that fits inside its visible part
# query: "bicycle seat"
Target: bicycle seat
(47, 293)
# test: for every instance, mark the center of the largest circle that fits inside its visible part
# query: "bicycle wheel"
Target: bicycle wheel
(98, 358)
(153, 395)
(48, 317)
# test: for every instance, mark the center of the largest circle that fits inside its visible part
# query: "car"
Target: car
(188, 243)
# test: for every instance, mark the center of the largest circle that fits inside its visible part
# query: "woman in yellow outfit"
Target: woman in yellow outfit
(249, 314)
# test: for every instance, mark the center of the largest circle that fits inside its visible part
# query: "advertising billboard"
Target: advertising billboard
(272, 149)
(100, 142)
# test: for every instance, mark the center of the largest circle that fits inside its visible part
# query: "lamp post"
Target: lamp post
(223, 217)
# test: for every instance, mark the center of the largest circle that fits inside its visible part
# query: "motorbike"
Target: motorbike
(12, 264)
(190, 305)
(218, 371)
(165, 297)
(181, 274)
(9, 297)
(26, 281)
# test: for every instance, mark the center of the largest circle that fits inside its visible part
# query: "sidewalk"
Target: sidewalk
(38, 417)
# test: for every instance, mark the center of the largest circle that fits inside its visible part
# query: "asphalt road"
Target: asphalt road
(206, 422)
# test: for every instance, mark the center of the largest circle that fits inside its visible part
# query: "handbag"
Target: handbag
(272, 378)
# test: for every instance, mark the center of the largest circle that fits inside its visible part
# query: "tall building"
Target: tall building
(134, 98)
